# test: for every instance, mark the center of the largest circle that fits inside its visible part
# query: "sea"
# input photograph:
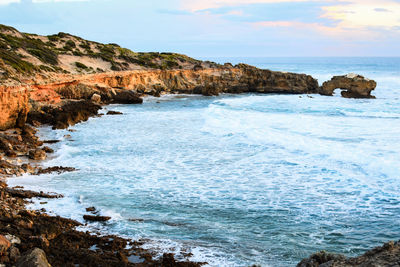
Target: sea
(237, 180)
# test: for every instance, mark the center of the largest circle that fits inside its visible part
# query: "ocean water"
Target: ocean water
(237, 180)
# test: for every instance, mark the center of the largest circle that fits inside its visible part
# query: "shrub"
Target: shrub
(85, 46)
(77, 53)
(53, 38)
(12, 59)
(114, 67)
(70, 43)
(45, 55)
(46, 68)
(81, 65)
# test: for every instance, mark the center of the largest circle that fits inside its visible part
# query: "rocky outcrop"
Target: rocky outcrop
(387, 255)
(51, 101)
(240, 79)
(13, 106)
(355, 86)
(63, 115)
(31, 238)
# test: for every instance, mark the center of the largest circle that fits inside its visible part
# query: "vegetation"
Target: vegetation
(15, 61)
(14, 47)
(81, 65)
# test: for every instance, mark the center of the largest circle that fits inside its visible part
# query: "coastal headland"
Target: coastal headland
(61, 80)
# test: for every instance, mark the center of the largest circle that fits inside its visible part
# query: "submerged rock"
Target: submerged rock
(94, 218)
(355, 86)
(114, 113)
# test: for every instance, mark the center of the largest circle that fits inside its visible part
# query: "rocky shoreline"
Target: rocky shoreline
(33, 238)
(54, 88)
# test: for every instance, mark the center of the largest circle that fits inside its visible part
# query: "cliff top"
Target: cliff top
(25, 55)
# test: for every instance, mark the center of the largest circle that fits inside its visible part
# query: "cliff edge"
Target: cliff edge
(39, 75)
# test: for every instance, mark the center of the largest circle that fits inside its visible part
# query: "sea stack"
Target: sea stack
(353, 86)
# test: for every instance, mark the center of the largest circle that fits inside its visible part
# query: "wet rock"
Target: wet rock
(114, 113)
(94, 218)
(30, 194)
(48, 149)
(387, 255)
(319, 258)
(28, 168)
(57, 169)
(33, 258)
(354, 86)
(37, 154)
(51, 141)
(91, 209)
(36, 123)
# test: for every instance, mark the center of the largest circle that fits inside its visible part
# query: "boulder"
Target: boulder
(33, 258)
(123, 96)
(37, 154)
(96, 98)
(354, 86)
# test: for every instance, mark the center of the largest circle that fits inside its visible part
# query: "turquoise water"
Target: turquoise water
(243, 179)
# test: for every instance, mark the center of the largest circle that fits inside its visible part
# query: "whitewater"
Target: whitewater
(237, 180)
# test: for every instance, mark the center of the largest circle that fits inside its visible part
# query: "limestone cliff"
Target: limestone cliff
(13, 106)
(41, 76)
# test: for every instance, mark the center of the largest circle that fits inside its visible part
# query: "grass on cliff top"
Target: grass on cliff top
(16, 62)
(33, 46)
(47, 51)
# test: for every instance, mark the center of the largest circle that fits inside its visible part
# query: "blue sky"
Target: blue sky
(202, 28)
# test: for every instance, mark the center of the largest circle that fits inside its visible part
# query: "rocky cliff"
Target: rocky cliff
(41, 75)
(13, 106)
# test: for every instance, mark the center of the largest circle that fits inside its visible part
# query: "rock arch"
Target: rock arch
(353, 86)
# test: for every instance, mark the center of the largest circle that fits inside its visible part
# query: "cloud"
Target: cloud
(366, 19)
(6, 2)
(197, 5)
(361, 14)
(381, 10)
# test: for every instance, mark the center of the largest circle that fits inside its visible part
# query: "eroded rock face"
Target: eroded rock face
(13, 106)
(354, 86)
(241, 79)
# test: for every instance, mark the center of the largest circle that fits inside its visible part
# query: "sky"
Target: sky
(220, 28)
